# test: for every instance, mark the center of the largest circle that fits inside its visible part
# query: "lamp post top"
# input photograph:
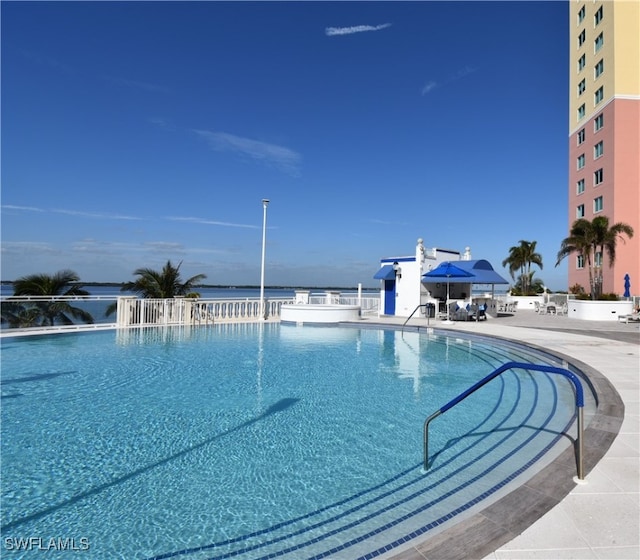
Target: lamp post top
(265, 201)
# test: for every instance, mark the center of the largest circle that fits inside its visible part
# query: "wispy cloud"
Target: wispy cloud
(164, 246)
(332, 31)
(463, 72)
(28, 248)
(96, 247)
(428, 87)
(271, 154)
(21, 208)
(105, 216)
(206, 222)
(161, 122)
(97, 215)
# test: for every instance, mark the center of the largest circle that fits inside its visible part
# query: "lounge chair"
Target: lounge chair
(630, 317)
(457, 313)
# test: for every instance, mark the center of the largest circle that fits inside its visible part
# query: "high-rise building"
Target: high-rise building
(604, 131)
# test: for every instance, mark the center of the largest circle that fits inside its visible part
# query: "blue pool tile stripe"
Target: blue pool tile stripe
(397, 542)
(409, 515)
(382, 485)
(459, 510)
(422, 530)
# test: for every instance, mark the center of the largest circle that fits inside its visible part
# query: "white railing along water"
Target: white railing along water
(188, 311)
(134, 311)
(191, 311)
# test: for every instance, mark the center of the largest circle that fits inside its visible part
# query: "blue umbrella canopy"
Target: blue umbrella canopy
(447, 270)
(627, 286)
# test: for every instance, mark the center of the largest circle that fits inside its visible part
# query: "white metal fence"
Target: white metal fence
(188, 311)
(369, 305)
(134, 311)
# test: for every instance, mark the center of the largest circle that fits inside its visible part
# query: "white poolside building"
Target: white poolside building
(404, 286)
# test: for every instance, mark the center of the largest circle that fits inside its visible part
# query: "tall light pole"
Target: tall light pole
(265, 203)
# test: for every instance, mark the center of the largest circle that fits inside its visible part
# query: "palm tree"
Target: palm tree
(592, 239)
(520, 258)
(46, 312)
(162, 285)
(19, 315)
(579, 242)
(159, 285)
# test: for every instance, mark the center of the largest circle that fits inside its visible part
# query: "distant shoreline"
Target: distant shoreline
(223, 286)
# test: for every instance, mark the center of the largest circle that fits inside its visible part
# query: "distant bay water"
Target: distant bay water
(205, 293)
(98, 308)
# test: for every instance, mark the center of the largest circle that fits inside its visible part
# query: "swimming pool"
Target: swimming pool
(251, 441)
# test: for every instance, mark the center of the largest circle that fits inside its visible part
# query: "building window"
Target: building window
(597, 260)
(599, 68)
(598, 204)
(580, 188)
(599, 95)
(580, 212)
(582, 111)
(580, 162)
(599, 42)
(582, 86)
(598, 17)
(598, 177)
(598, 122)
(582, 38)
(581, 14)
(598, 149)
(581, 137)
(582, 62)
(580, 261)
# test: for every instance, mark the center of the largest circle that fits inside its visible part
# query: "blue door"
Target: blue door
(390, 297)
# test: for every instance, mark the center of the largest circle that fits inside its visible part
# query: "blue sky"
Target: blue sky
(139, 132)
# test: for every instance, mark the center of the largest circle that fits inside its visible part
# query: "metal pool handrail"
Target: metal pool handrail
(517, 365)
(426, 306)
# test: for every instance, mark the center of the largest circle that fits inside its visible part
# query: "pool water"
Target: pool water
(252, 440)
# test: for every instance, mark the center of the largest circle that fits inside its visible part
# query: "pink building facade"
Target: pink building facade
(604, 133)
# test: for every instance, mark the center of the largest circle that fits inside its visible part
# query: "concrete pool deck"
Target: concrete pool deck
(598, 519)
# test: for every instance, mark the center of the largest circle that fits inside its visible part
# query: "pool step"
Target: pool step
(413, 504)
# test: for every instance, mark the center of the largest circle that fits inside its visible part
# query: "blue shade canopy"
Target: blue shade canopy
(385, 273)
(479, 272)
(449, 271)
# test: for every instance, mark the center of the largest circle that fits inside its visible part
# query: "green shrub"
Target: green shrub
(576, 289)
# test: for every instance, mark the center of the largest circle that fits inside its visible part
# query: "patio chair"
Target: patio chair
(630, 317)
(562, 309)
(477, 313)
(457, 313)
